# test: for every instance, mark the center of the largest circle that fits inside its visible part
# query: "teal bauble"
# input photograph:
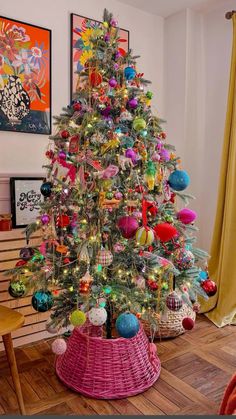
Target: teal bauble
(179, 180)
(46, 189)
(130, 73)
(127, 142)
(127, 325)
(42, 300)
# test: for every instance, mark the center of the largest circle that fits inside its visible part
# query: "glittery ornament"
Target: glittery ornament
(59, 346)
(42, 301)
(97, 316)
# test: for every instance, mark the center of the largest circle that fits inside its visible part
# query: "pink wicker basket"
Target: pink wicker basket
(107, 368)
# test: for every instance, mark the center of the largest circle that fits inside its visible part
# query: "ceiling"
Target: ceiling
(166, 8)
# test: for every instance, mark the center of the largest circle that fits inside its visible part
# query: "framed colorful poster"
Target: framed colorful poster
(80, 47)
(25, 77)
(25, 199)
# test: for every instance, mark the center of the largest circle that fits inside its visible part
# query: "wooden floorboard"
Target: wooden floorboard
(196, 368)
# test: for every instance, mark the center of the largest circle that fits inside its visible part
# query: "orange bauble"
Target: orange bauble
(95, 78)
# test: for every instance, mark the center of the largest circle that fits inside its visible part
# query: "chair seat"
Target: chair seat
(10, 320)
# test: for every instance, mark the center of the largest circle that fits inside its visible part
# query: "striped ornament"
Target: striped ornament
(104, 257)
(174, 301)
(144, 236)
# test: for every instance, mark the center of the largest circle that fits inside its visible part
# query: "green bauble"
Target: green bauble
(77, 318)
(17, 289)
(109, 195)
(139, 124)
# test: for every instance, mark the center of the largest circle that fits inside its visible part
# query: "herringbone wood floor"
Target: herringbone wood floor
(195, 370)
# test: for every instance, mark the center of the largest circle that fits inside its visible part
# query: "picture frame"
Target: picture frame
(25, 77)
(78, 24)
(25, 199)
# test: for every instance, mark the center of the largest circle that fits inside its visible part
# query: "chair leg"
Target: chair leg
(14, 371)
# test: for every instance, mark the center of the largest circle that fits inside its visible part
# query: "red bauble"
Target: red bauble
(95, 79)
(64, 134)
(165, 231)
(64, 220)
(66, 261)
(128, 226)
(77, 106)
(188, 323)
(152, 284)
(152, 208)
(209, 287)
(139, 189)
(49, 154)
(21, 263)
(163, 135)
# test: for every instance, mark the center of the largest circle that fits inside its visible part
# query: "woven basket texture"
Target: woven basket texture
(107, 368)
(172, 327)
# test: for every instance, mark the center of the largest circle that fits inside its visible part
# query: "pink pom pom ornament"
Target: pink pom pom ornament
(59, 346)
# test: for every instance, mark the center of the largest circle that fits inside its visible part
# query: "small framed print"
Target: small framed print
(25, 200)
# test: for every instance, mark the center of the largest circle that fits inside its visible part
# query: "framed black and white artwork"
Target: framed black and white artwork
(25, 200)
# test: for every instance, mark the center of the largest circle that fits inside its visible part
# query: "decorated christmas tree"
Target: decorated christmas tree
(118, 241)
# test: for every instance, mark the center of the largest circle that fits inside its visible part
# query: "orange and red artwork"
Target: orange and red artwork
(82, 28)
(25, 77)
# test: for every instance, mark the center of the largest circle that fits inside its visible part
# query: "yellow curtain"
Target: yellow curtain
(221, 309)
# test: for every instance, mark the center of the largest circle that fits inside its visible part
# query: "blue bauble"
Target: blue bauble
(42, 300)
(203, 276)
(46, 189)
(179, 180)
(129, 73)
(127, 325)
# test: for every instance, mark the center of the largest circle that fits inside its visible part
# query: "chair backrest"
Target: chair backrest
(228, 404)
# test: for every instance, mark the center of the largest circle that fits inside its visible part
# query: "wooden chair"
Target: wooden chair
(11, 320)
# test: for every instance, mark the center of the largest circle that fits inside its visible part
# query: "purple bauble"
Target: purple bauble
(107, 37)
(116, 66)
(112, 82)
(128, 226)
(133, 103)
(118, 195)
(62, 155)
(118, 55)
(159, 145)
(165, 155)
(131, 154)
(186, 216)
(106, 112)
(45, 219)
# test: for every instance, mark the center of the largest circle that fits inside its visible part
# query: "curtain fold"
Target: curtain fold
(221, 309)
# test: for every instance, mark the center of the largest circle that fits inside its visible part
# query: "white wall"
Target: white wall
(23, 154)
(197, 50)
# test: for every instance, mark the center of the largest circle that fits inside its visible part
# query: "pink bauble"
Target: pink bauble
(62, 155)
(138, 215)
(112, 82)
(165, 155)
(45, 219)
(156, 156)
(186, 216)
(59, 346)
(133, 103)
(118, 195)
(128, 226)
